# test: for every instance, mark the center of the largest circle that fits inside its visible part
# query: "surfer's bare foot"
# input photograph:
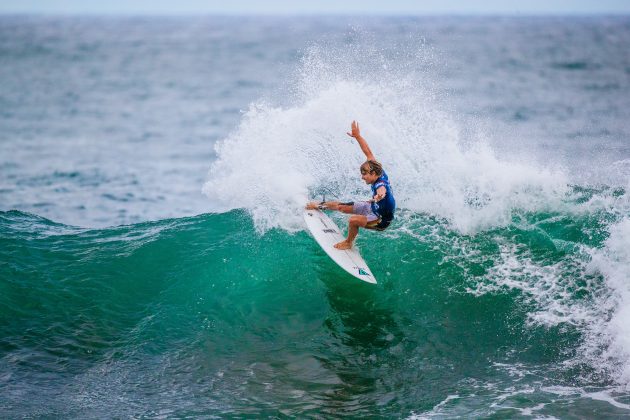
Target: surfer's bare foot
(343, 245)
(312, 205)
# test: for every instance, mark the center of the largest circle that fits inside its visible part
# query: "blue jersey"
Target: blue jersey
(386, 207)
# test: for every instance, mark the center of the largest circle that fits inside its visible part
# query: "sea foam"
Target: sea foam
(280, 156)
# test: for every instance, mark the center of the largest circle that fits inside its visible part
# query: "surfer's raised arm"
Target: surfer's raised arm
(362, 143)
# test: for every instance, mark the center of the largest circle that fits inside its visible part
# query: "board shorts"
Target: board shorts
(364, 208)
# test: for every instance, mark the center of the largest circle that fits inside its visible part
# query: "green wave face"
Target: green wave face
(204, 316)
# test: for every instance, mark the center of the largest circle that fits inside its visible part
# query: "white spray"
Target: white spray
(279, 157)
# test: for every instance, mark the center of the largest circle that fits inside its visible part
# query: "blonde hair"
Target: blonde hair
(372, 166)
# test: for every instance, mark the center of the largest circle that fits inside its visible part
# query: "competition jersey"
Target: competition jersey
(386, 207)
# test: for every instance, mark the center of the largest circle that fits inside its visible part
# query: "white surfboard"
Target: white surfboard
(327, 234)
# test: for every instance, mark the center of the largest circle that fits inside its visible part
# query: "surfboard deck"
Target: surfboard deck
(327, 234)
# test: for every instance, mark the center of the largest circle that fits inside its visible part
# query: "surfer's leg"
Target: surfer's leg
(354, 224)
(330, 205)
(345, 208)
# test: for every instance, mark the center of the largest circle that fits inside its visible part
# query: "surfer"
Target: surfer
(376, 213)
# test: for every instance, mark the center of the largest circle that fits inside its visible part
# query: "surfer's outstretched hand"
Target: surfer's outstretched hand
(356, 133)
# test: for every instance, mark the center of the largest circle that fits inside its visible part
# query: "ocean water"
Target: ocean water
(153, 261)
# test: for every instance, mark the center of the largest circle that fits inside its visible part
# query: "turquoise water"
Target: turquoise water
(153, 261)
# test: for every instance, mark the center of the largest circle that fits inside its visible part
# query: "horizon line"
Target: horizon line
(313, 14)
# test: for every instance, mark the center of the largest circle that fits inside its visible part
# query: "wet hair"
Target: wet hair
(372, 166)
